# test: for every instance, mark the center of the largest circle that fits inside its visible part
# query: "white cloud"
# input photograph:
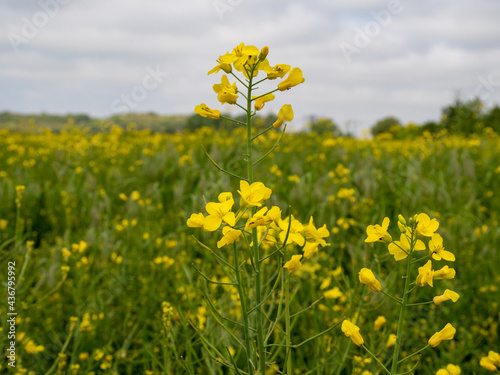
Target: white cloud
(91, 52)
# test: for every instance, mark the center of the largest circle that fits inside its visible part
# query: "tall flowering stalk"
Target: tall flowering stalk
(409, 248)
(254, 226)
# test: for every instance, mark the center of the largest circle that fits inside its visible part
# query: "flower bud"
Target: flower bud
(401, 219)
(227, 68)
(263, 53)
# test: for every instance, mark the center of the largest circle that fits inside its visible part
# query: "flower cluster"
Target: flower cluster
(271, 228)
(411, 240)
(249, 61)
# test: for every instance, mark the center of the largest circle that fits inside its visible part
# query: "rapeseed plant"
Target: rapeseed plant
(413, 234)
(256, 233)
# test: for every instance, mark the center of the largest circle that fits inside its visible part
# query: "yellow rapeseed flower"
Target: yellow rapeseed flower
(447, 295)
(436, 249)
(425, 226)
(285, 114)
(278, 71)
(425, 275)
(208, 224)
(262, 100)
(294, 233)
(253, 195)
(351, 330)
(447, 333)
(205, 111)
(379, 233)
(444, 273)
(315, 235)
(294, 78)
(219, 212)
(401, 249)
(227, 92)
(293, 264)
(367, 277)
(230, 235)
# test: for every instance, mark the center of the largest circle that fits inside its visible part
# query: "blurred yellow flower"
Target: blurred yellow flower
(135, 195)
(309, 249)
(491, 362)
(20, 191)
(449, 370)
(379, 322)
(333, 293)
(391, 341)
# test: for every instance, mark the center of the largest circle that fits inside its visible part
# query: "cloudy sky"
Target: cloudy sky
(362, 59)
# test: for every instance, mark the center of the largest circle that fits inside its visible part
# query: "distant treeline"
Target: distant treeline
(461, 117)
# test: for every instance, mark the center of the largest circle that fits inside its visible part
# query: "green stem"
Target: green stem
(391, 297)
(255, 242)
(376, 359)
(420, 303)
(402, 311)
(19, 226)
(287, 325)
(414, 354)
(243, 301)
(233, 120)
(263, 132)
